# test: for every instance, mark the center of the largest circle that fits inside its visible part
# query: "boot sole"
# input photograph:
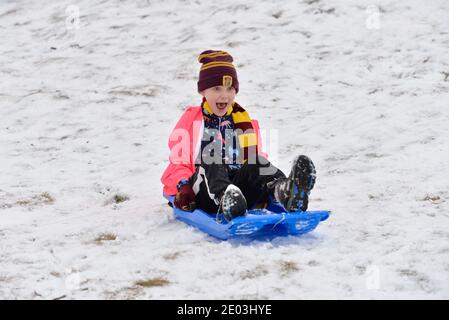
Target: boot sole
(301, 182)
(233, 203)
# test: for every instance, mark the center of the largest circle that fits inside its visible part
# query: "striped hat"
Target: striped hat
(217, 70)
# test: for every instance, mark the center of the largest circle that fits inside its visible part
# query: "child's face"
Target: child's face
(219, 98)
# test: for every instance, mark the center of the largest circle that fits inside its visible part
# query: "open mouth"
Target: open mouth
(221, 105)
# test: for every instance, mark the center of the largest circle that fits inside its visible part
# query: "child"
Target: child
(216, 158)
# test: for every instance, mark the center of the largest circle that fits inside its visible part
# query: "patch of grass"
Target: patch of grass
(313, 263)
(46, 198)
(171, 256)
(116, 198)
(105, 237)
(43, 198)
(254, 273)
(23, 202)
(375, 196)
(432, 199)
(288, 267)
(119, 198)
(155, 282)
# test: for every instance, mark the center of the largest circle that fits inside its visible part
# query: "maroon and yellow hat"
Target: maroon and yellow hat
(217, 70)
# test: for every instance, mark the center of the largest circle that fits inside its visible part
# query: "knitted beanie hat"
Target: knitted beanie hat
(217, 70)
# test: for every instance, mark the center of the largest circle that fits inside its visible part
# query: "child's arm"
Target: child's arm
(181, 165)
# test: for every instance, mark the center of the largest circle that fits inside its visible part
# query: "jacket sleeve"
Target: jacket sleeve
(260, 151)
(180, 164)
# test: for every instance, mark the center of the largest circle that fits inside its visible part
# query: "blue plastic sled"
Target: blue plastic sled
(258, 223)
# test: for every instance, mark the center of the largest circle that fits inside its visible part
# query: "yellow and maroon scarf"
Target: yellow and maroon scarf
(242, 120)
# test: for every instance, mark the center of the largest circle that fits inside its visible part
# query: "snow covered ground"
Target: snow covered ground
(87, 104)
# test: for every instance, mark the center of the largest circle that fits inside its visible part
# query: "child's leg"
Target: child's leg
(208, 183)
(252, 179)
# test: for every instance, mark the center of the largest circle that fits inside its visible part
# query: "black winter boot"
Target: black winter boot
(293, 192)
(233, 203)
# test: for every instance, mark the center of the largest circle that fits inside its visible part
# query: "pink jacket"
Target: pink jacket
(185, 143)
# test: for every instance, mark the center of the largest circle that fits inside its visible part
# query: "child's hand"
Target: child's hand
(185, 198)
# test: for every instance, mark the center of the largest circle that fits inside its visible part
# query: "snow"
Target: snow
(88, 103)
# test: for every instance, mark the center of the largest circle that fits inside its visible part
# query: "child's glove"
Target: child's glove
(185, 197)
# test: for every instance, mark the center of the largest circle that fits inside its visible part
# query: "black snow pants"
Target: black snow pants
(210, 180)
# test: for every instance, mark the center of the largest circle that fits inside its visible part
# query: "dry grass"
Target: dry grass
(23, 202)
(432, 199)
(288, 267)
(55, 274)
(118, 198)
(47, 198)
(256, 272)
(43, 198)
(105, 237)
(155, 282)
(172, 256)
